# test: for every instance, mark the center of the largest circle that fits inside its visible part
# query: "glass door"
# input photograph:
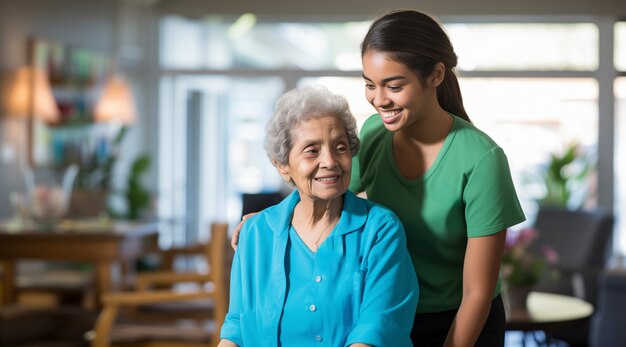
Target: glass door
(211, 150)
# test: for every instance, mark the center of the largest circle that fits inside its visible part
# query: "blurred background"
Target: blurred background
(155, 109)
(539, 77)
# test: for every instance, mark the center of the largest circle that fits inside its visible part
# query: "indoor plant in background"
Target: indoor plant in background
(96, 188)
(521, 269)
(94, 180)
(135, 198)
(564, 177)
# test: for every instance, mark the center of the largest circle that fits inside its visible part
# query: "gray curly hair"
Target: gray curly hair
(301, 104)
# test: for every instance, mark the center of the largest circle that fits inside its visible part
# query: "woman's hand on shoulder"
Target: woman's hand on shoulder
(227, 343)
(234, 241)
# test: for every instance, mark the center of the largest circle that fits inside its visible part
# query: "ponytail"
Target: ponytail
(449, 95)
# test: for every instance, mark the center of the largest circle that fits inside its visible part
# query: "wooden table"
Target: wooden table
(102, 245)
(551, 313)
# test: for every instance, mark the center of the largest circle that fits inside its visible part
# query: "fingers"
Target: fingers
(246, 216)
(234, 241)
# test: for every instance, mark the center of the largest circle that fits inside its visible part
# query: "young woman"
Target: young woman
(447, 181)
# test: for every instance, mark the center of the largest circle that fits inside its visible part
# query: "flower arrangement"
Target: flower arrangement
(48, 203)
(520, 267)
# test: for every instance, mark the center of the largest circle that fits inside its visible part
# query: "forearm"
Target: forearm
(480, 274)
(469, 321)
(227, 343)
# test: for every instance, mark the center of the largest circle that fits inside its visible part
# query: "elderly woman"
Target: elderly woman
(322, 267)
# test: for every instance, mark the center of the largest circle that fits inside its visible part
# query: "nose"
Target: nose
(380, 99)
(328, 159)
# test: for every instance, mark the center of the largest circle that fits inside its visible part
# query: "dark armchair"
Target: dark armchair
(582, 240)
(607, 327)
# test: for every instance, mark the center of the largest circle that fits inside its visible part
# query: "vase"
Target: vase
(516, 297)
(48, 195)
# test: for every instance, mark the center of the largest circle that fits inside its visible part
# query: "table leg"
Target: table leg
(103, 282)
(8, 281)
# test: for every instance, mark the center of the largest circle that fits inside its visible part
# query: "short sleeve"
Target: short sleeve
(491, 203)
(355, 180)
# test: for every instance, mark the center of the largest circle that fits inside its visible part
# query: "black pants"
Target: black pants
(431, 329)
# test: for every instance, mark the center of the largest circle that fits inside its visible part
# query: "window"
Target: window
(620, 163)
(620, 46)
(531, 86)
(525, 46)
(531, 118)
(241, 43)
(211, 150)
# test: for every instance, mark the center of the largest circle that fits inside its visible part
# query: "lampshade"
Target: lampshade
(31, 95)
(116, 103)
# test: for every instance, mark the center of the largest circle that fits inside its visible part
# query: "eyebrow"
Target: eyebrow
(388, 79)
(310, 142)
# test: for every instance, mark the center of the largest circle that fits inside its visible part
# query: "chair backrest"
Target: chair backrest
(259, 201)
(582, 238)
(163, 302)
(218, 253)
(607, 324)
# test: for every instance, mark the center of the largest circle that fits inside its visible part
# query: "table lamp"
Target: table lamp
(30, 95)
(116, 108)
(116, 105)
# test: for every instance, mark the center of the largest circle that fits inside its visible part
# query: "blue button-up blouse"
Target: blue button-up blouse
(363, 286)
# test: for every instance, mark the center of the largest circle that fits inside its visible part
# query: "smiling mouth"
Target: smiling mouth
(389, 114)
(330, 179)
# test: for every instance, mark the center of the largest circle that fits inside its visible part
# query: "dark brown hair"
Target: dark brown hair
(418, 41)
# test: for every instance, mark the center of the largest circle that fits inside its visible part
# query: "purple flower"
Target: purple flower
(550, 254)
(519, 265)
(527, 235)
(522, 237)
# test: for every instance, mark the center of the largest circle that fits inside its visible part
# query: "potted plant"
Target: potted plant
(521, 269)
(94, 180)
(136, 197)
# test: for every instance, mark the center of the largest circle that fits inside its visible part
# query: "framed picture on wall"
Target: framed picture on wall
(76, 77)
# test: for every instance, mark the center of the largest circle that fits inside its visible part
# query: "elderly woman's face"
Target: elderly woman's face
(320, 160)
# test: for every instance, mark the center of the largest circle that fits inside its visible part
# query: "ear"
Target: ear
(283, 170)
(437, 76)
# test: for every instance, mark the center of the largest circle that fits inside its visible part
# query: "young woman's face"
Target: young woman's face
(320, 160)
(394, 90)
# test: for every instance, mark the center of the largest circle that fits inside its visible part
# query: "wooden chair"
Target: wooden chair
(56, 284)
(168, 317)
(63, 326)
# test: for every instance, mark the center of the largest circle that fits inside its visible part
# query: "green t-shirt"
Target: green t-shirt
(467, 192)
